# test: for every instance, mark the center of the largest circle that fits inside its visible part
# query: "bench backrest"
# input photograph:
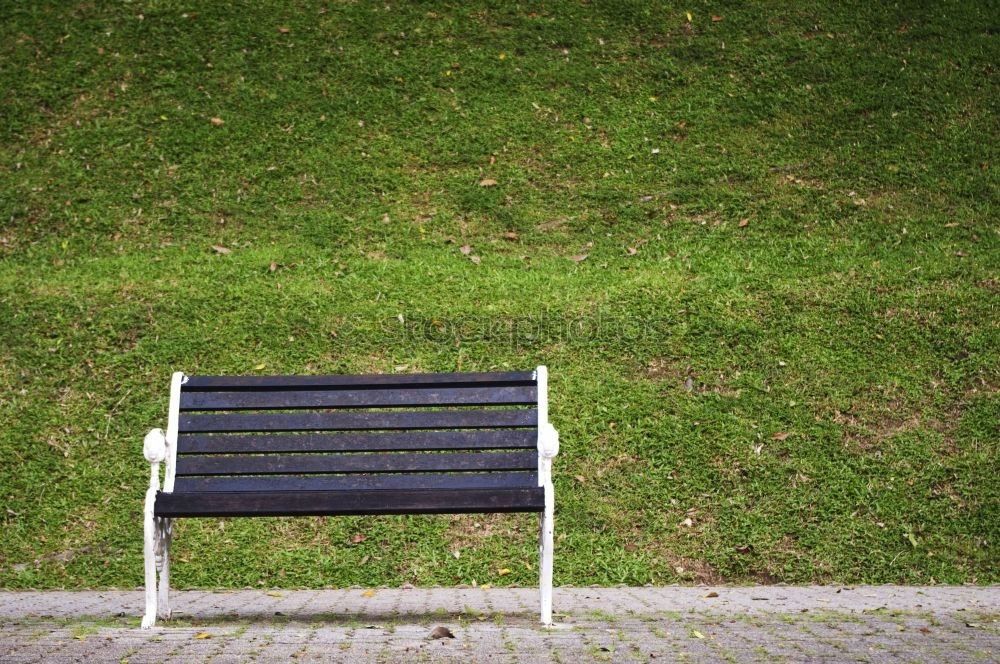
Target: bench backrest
(408, 431)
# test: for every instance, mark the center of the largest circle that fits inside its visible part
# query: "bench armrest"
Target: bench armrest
(154, 446)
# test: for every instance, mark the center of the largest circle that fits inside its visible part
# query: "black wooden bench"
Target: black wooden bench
(342, 445)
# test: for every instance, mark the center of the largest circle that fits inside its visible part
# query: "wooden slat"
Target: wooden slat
(514, 480)
(383, 398)
(302, 503)
(359, 442)
(444, 419)
(508, 378)
(355, 463)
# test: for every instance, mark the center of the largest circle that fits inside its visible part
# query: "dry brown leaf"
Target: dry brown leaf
(441, 632)
(465, 249)
(580, 478)
(503, 572)
(780, 435)
(284, 29)
(219, 249)
(687, 523)
(744, 223)
(712, 594)
(961, 254)
(476, 259)
(202, 635)
(632, 251)
(358, 538)
(488, 182)
(512, 236)
(550, 225)
(218, 122)
(273, 267)
(716, 19)
(578, 259)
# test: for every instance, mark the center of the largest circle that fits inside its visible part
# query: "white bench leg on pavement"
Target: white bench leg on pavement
(154, 449)
(545, 558)
(548, 448)
(163, 531)
(149, 556)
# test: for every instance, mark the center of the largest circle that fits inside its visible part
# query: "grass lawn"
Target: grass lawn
(757, 247)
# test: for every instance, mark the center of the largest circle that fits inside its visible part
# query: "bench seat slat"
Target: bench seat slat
(319, 503)
(346, 421)
(505, 378)
(355, 463)
(358, 442)
(514, 480)
(391, 398)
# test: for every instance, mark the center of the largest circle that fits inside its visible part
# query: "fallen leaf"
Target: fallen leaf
(284, 29)
(580, 478)
(202, 635)
(744, 223)
(696, 634)
(465, 249)
(503, 572)
(358, 538)
(476, 259)
(218, 122)
(632, 251)
(780, 436)
(578, 259)
(441, 632)
(961, 254)
(744, 548)
(368, 593)
(274, 593)
(687, 523)
(716, 19)
(259, 366)
(486, 586)
(488, 182)
(550, 225)
(925, 630)
(512, 236)
(273, 267)
(689, 17)
(712, 594)
(219, 249)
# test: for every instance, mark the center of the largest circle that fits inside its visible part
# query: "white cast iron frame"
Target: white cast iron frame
(158, 447)
(548, 448)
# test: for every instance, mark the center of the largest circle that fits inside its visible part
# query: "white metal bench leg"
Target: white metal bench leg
(545, 546)
(154, 449)
(149, 555)
(548, 448)
(163, 531)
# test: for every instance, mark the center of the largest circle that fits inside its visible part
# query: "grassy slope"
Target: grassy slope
(856, 309)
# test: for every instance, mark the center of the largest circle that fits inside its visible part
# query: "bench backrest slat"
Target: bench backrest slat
(387, 398)
(497, 480)
(500, 379)
(360, 442)
(352, 421)
(271, 464)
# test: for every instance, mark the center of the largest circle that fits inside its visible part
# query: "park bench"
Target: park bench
(343, 445)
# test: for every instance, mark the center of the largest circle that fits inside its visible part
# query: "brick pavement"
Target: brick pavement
(696, 624)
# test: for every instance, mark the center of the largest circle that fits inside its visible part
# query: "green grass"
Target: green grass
(811, 192)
